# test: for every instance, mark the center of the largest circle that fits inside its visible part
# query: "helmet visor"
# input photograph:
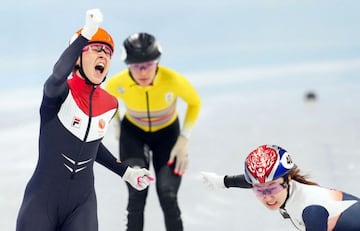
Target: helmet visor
(143, 66)
(99, 47)
(268, 190)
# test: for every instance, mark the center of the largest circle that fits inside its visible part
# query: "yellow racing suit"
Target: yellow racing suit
(149, 130)
(152, 108)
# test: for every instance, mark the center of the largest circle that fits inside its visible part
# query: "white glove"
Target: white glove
(212, 180)
(93, 18)
(179, 152)
(138, 178)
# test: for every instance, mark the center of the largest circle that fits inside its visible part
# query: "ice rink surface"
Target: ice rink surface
(238, 114)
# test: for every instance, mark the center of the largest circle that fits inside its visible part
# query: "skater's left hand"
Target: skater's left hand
(139, 179)
(180, 152)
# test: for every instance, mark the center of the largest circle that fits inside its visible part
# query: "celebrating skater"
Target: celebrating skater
(75, 113)
(277, 183)
(150, 129)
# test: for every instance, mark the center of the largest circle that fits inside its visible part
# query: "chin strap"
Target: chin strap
(282, 209)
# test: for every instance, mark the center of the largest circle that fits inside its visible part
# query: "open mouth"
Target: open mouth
(100, 68)
(271, 203)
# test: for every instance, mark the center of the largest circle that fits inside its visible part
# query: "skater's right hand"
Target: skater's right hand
(93, 19)
(212, 180)
(139, 179)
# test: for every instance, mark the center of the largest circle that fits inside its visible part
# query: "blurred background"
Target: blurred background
(254, 64)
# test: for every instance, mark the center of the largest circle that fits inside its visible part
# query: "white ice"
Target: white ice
(237, 115)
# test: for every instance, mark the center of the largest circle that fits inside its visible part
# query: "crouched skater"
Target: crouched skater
(278, 184)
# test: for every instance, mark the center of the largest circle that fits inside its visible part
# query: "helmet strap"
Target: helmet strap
(282, 209)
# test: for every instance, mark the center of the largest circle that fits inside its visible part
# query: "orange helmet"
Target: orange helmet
(101, 36)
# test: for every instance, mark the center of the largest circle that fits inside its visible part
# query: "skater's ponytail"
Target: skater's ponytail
(295, 174)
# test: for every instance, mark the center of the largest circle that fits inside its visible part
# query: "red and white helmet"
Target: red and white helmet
(267, 163)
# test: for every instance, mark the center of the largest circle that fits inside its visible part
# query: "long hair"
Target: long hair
(301, 178)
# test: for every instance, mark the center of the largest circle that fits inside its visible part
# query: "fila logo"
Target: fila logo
(76, 122)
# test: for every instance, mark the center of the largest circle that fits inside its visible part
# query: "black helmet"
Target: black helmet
(140, 47)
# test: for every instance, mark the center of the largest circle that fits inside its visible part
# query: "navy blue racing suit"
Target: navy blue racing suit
(75, 115)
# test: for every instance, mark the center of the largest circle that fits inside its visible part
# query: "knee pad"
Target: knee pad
(167, 183)
(137, 201)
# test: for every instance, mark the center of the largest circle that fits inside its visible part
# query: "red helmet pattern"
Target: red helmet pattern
(267, 163)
